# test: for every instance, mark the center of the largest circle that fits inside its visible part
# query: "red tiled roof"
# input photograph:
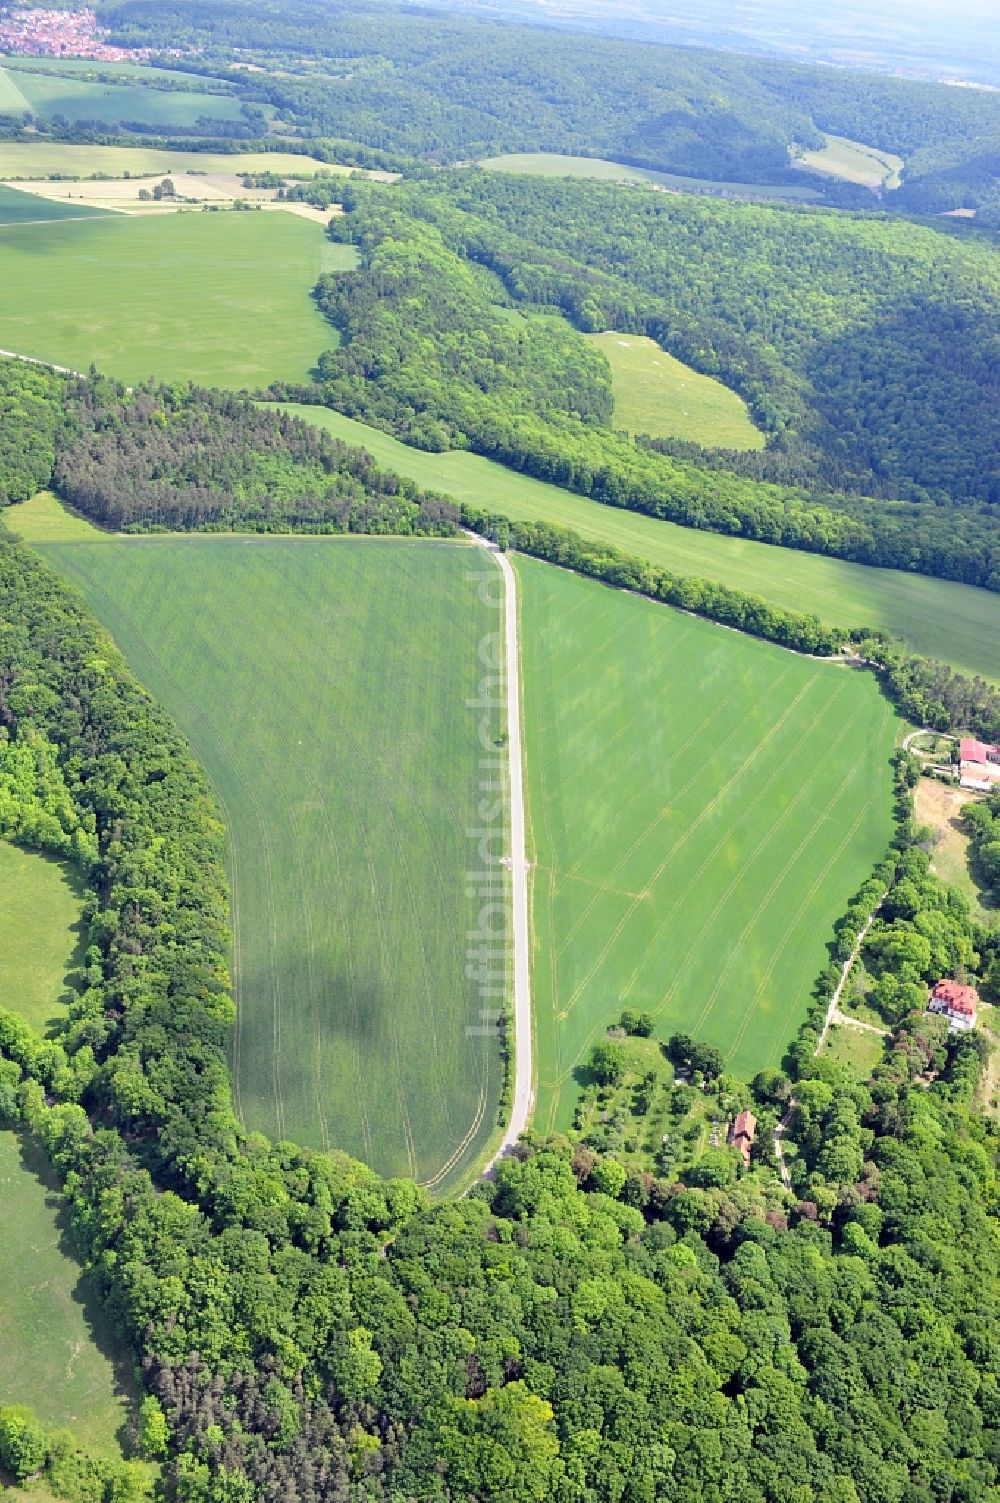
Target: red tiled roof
(959, 998)
(745, 1125)
(971, 750)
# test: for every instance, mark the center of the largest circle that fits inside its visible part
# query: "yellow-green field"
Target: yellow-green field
(325, 684)
(702, 806)
(41, 933)
(44, 519)
(954, 622)
(855, 163)
(222, 299)
(555, 164)
(658, 395)
(31, 160)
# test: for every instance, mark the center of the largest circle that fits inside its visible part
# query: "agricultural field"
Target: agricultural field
(954, 622)
(41, 934)
(854, 163)
(17, 207)
(554, 164)
(60, 1353)
(348, 814)
(26, 160)
(48, 95)
(44, 519)
(660, 396)
(221, 299)
(701, 808)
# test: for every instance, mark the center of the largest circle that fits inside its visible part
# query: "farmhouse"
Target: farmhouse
(958, 1003)
(979, 764)
(742, 1134)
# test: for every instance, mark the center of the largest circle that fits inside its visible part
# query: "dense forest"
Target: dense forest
(462, 328)
(180, 457)
(450, 88)
(308, 1331)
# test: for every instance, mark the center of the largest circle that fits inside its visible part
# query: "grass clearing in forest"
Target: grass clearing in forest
(853, 162)
(938, 807)
(221, 299)
(954, 622)
(661, 396)
(858, 1049)
(325, 685)
(61, 1356)
(702, 806)
(554, 164)
(41, 933)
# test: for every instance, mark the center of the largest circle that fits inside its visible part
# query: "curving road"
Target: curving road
(524, 1089)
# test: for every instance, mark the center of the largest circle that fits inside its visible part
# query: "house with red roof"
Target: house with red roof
(957, 1002)
(979, 765)
(742, 1134)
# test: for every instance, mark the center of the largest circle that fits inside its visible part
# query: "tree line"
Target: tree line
(179, 457)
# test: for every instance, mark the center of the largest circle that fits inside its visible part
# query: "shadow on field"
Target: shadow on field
(85, 1292)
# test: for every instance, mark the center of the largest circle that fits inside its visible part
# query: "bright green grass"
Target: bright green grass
(60, 1355)
(954, 622)
(21, 208)
(113, 104)
(43, 519)
(855, 163)
(701, 808)
(553, 164)
(325, 685)
(217, 298)
(856, 1048)
(41, 935)
(31, 159)
(90, 66)
(658, 395)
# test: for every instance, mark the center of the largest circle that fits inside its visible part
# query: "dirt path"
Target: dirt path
(834, 1008)
(845, 1018)
(524, 1091)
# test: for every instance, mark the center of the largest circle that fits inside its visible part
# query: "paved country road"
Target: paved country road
(524, 1093)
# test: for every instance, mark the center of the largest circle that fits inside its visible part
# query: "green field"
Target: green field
(40, 933)
(21, 208)
(113, 104)
(43, 519)
(325, 685)
(701, 808)
(554, 164)
(218, 298)
(60, 1355)
(954, 622)
(855, 163)
(12, 101)
(30, 159)
(658, 395)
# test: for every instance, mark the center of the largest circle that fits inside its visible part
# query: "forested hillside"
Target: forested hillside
(866, 348)
(568, 1332)
(452, 88)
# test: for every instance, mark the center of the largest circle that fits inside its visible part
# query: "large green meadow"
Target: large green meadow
(64, 93)
(702, 806)
(954, 622)
(661, 396)
(221, 299)
(58, 1353)
(328, 687)
(34, 159)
